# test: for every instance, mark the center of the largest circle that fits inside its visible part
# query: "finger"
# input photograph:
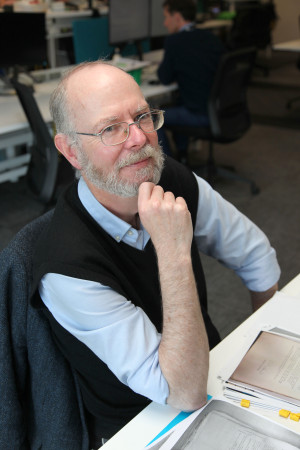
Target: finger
(157, 193)
(169, 197)
(145, 191)
(181, 201)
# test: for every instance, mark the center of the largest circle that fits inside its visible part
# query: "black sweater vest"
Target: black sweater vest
(75, 245)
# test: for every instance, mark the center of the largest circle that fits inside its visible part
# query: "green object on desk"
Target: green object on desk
(226, 15)
(137, 75)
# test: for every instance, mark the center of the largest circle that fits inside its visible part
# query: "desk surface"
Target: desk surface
(288, 46)
(146, 425)
(215, 24)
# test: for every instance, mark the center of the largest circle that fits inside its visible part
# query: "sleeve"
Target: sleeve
(223, 232)
(108, 323)
(166, 70)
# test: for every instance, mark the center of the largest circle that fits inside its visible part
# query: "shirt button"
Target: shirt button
(130, 233)
(117, 238)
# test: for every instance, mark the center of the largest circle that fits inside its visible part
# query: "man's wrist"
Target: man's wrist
(259, 298)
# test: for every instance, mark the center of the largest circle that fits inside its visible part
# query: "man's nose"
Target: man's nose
(136, 135)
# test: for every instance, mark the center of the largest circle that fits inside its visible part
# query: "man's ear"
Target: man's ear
(69, 152)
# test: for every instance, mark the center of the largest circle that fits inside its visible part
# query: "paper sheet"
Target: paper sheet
(223, 425)
(219, 430)
(273, 364)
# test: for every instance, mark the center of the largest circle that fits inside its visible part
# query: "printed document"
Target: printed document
(272, 364)
(221, 425)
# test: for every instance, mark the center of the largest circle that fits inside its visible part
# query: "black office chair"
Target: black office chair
(252, 27)
(41, 406)
(45, 164)
(296, 99)
(228, 113)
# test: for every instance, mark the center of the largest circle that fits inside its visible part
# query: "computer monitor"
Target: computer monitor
(157, 28)
(22, 40)
(129, 22)
(212, 8)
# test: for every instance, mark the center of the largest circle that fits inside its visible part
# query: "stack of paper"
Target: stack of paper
(269, 373)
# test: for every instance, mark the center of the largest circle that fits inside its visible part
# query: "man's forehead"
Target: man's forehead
(102, 83)
(106, 93)
(99, 74)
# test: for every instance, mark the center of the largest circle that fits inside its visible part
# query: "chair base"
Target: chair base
(291, 101)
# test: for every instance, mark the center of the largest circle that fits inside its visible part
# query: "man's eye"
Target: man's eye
(137, 118)
(144, 117)
(109, 129)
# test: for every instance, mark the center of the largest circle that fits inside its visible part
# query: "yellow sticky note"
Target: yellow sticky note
(294, 417)
(245, 403)
(284, 413)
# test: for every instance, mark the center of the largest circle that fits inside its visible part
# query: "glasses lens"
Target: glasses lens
(115, 134)
(151, 121)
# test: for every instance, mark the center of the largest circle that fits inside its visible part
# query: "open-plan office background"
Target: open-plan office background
(269, 153)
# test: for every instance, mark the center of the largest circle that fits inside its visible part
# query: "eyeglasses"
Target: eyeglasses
(117, 133)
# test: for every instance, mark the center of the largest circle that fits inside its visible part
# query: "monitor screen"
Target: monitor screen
(213, 7)
(128, 21)
(22, 39)
(157, 27)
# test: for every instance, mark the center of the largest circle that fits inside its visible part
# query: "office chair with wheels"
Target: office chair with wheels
(45, 164)
(252, 27)
(228, 113)
(40, 405)
(293, 100)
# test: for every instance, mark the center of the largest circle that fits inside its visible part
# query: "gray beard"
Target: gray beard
(112, 183)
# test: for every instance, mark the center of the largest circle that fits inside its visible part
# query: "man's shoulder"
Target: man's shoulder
(67, 224)
(196, 35)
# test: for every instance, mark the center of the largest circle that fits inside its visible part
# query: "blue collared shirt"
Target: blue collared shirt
(188, 27)
(109, 323)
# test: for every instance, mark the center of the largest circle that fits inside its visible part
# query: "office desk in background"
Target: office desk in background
(59, 26)
(148, 424)
(215, 24)
(288, 46)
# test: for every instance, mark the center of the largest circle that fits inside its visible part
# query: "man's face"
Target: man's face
(170, 21)
(102, 96)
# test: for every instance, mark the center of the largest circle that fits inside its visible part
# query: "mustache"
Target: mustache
(146, 152)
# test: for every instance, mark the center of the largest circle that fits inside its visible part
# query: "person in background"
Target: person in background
(118, 271)
(191, 58)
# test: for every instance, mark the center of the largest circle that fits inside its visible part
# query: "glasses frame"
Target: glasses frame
(137, 123)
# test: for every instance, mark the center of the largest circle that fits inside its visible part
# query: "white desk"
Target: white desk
(146, 425)
(215, 24)
(59, 25)
(288, 46)
(14, 128)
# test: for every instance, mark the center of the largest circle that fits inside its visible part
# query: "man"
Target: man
(191, 58)
(118, 271)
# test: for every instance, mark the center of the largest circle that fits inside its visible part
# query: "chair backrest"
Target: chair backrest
(43, 166)
(252, 26)
(90, 39)
(40, 404)
(228, 107)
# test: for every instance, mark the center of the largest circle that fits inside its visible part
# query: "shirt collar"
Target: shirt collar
(117, 228)
(188, 27)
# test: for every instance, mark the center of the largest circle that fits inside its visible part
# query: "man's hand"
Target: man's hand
(166, 218)
(183, 350)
